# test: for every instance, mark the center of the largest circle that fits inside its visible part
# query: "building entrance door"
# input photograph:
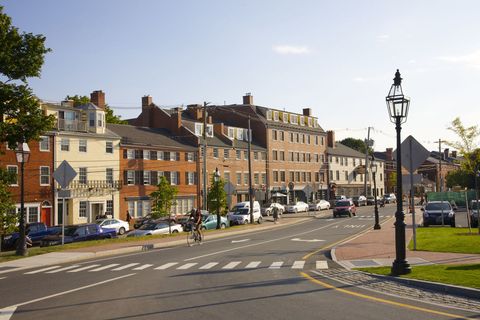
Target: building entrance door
(96, 211)
(45, 216)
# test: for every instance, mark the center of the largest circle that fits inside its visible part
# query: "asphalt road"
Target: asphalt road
(263, 275)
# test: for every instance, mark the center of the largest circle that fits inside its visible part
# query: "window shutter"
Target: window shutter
(195, 178)
(124, 153)
(125, 176)
(177, 156)
(166, 174)
(178, 175)
(154, 177)
(153, 155)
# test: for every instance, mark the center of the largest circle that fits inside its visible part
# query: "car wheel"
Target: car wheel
(246, 222)
(260, 220)
(121, 231)
(223, 226)
(175, 231)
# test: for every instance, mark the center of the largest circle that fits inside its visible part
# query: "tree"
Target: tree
(110, 117)
(460, 178)
(8, 220)
(163, 199)
(356, 144)
(217, 197)
(467, 144)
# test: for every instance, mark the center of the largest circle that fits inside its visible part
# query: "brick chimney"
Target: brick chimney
(177, 120)
(389, 154)
(307, 112)
(98, 98)
(195, 111)
(446, 152)
(248, 98)
(331, 138)
(146, 101)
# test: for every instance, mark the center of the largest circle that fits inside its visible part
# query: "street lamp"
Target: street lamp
(216, 178)
(373, 169)
(23, 154)
(397, 105)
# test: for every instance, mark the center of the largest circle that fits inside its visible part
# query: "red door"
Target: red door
(45, 216)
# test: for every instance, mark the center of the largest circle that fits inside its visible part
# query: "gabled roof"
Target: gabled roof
(88, 106)
(343, 150)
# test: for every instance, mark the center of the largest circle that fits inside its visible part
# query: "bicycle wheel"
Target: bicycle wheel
(190, 237)
(199, 237)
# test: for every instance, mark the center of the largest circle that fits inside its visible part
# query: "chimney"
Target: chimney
(195, 111)
(67, 103)
(98, 98)
(331, 138)
(248, 98)
(177, 119)
(146, 101)
(307, 112)
(446, 152)
(454, 153)
(389, 154)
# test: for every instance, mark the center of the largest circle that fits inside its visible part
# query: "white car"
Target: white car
(241, 213)
(297, 207)
(320, 205)
(267, 211)
(120, 226)
(153, 228)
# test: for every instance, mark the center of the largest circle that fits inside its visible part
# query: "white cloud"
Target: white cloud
(470, 60)
(359, 79)
(291, 49)
(383, 37)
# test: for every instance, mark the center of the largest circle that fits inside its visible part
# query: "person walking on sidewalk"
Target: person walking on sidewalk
(275, 213)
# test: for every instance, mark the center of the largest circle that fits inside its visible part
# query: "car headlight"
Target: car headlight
(451, 214)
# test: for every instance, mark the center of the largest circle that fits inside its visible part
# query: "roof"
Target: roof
(108, 134)
(88, 106)
(262, 111)
(144, 136)
(343, 150)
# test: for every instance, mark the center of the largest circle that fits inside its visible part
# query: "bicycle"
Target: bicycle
(194, 236)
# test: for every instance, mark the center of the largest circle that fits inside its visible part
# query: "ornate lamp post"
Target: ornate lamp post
(397, 105)
(216, 177)
(23, 155)
(373, 169)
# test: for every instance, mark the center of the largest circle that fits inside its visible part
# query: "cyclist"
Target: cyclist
(196, 218)
(275, 213)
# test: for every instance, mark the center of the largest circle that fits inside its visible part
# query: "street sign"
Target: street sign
(229, 188)
(64, 174)
(418, 155)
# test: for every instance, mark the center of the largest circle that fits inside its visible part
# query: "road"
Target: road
(273, 274)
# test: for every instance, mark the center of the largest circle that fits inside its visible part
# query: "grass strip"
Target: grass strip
(447, 239)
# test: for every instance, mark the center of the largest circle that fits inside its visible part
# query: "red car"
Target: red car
(344, 207)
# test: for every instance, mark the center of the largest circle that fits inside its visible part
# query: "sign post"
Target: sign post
(64, 174)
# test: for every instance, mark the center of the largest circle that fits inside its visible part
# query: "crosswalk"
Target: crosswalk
(135, 266)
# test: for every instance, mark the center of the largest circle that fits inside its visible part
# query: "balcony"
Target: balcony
(96, 184)
(71, 125)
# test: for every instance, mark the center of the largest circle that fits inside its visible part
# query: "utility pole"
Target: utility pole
(250, 190)
(204, 206)
(367, 145)
(440, 174)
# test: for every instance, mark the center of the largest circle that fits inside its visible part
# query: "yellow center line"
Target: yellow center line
(390, 302)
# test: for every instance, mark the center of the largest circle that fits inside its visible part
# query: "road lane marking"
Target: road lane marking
(63, 269)
(307, 240)
(276, 265)
(2, 278)
(145, 266)
(41, 270)
(126, 266)
(84, 268)
(8, 311)
(242, 240)
(209, 265)
(166, 266)
(187, 266)
(232, 265)
(321, 264)
(108, 266)
(298, 264)
(391, 302)
(253, 264)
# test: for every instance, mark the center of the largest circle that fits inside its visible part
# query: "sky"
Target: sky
(336, 57)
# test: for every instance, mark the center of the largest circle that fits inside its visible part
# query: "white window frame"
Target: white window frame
(269, 115)
(82, 209)
(198, 129)
(80, 174)
(146, 177)
(130, 154)
(231, 133)
(130, 177)
(285, 117)
(82, 144)
(160, 155)
(190, 156)
(190, 178)
(310, 122)
(276, 116)
(210, 130)
(146, 154)
(44, 139)
(173, 178)
(302, 120)
(109, 175)
(293, 119)
(15, 184)
(65, 143)
(44, 175)
(239, 134)
(107, 147)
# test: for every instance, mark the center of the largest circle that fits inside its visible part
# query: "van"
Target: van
(241, 213)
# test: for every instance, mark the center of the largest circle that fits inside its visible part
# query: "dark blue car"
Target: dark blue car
(36, 231)
(81, 232)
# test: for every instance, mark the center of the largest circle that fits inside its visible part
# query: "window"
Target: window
(174, 177)
(275, 155)
(303, 157)
(65, 144)
(281, 135)
(346, 161)
(190, 178)
(285, 117)
(215, 153)
(308, 139)
(245, 178)
(322, 158)
(109, 207)
(245, 154)
(331, 174)
(354, 161)
(146, 177)
(226, 153)
(282, 155)
(139, 208)
(381, 177)
(210, 130)
(275, 116)
(189, 156)
(317, 177)
(302, 120)
(282, 176)
(130, 154)
(256, 178)
(297, 176)
(13, 170)
(226, 176)
(336, 159)
(310, 122)
(302, 138)
(291, 137)
(44, 176)
(82, 175)
(146, 154)
(239, 134)
(91, 119)
(275, 176)
(293, 119)
(316, 140)
(82, 145)
(297, 137)
(109, 175)
(346, 175)
(82, 209)
(337, 174)
(33, 214)
(304, 176)
(138, 154)
(44, 143)
(239, 178)
(198, 129)
(255, 155)
(231, 133)
(264, 178)
(292, 176)
(130, 177)
(341, 161)
(269, 115)
(160, 155)
(109, 147)
(153, 155)
(239, 155)
(290, 156)
(263, 155)
(309, 177)
(322, 141)
(100, 119)
(316, 157)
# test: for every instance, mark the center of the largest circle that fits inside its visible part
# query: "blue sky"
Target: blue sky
(336, 57)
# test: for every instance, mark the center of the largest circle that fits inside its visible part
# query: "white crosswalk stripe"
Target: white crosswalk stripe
(187, 266)
(145, 266)
(42, 270)
(108, 266)
(253, 265)
(231, 265)
(126, 266)
(298, 264)
(276, 265)
(209, 265)
(166, 266)
(322, 265)
(84, 268)
(63, 269)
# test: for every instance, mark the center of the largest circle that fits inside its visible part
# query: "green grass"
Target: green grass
(466, 275)
(445, 239)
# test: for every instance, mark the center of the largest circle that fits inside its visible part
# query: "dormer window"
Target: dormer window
(91, 119)
(294, 119)
(275, 115)
(239, 134)
(231, 133)
(100, 119)
(285, 117)
(198, 129)
(302, 120)
(269, 115)
(310, 122)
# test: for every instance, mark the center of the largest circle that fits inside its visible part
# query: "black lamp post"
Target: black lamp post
(398, 105)
(23, 154)
(373, 169)
(216, 177)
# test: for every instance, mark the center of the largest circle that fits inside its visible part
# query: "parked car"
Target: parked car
(371, 200)
(76, 233)
(120, 226)
(300, 206)
(241, 213)
(360, 201)
(389, 198)
(344, 207)
(153, 228)
(474, 213)
(141, 220)
(319, 205)
(210, 222)
(36, 231)
(432, 213)
(267, 211)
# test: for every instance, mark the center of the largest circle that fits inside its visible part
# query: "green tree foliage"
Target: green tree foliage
(21, 57)
(460, 178)
(217, 197)
(356, 144)
(8, 220)
(163, 198)
(467, 145)
(110, 117)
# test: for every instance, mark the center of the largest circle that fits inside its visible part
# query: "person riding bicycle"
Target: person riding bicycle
(275, 213)
(196, 218)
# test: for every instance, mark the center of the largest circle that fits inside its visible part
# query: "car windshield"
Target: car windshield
(100, 221)
(70, 231)
(438, 206)
(148, 226)
(161, 226)
(242, 211)
(343, 204)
